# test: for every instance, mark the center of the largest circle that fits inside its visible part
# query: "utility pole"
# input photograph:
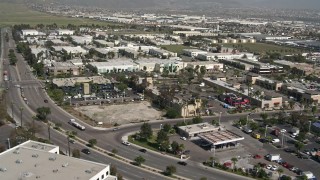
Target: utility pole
(265, 132)
(12, 103)
(9, 145)
(309, 126)
(68, 138)
(282, 139)
(21, 110)
(49, 131)
(220, 118)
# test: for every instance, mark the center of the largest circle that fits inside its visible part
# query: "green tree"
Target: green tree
(291, 104)
(203, 70)
(139, 160)
(146, 131)
(299, 145)
(162, 136)
(167, 127)
(172, 113)
(203, 178)
(122, 87)
(314, 110)
(76, 153)
(197, 120)
(234, 161)
(170, 170)
(43, 112)
(114, 151)
(113, 170)
(264, 117)
(92, 142)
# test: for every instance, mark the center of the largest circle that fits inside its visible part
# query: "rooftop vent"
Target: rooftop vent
(3, 169)
(34, 146)
(27, 174)
(55, 170)
(16, 151)
(19, 161)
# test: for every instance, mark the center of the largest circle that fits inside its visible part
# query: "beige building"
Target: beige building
(58, 68)
(264, 82)
(307, 96)
(189, 110)
(86, 88)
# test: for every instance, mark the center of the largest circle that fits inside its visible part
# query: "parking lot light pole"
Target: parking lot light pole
(220, 118)
(309, 126)
(265, 132)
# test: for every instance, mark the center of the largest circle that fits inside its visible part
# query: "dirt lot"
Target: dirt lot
(121, 114)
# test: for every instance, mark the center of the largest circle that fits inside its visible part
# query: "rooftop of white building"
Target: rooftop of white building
(33, 164)
(72, 81)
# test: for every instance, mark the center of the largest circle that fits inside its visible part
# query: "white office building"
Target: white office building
(155, 64)
(193, 52)
(35, 160)
(62, 32)
(118, 65)
(30, 32)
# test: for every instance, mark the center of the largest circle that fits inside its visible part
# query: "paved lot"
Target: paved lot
(122, 113)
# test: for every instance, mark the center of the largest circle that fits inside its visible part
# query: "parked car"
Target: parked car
(289, 150)
(274, 167)
(283, 130)
(126, 143)
(183, 138)
(269, 167)
(143, 150)
(257, 156)
(182, 163)
(275, 140)
(86, 151)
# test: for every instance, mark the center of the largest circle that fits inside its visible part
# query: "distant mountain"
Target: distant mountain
(190, 4)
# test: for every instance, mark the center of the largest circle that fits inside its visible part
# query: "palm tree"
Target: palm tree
(234, 161)
(280, 171)
(291, 104)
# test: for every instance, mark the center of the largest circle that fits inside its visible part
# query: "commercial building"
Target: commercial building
(155, 64)
(62, 32)
(264, 82)
(58, 68)
(221, 139)
(262, 68)
(35, 160)
(104, 43)
(30, 32)
(162, 53)
(77, 51)
(193, 52)
(196, 129)
(118, 65)
(85, 39)
(237, 64)
(266, 101)
(194, 33)
(210, 66)
(299, 68)
(307, 96)
(223, 56)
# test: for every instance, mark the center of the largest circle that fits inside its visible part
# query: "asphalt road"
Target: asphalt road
(107, 139)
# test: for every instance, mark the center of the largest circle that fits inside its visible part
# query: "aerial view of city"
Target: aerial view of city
(157, 90)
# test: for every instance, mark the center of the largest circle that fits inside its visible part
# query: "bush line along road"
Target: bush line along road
(107, 139)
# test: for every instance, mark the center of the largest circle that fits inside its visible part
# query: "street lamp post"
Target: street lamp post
(309, 126)
(220, 118)
(265, 132)
(12, 103)
(21, 110)
(68, 138)
(49, 131)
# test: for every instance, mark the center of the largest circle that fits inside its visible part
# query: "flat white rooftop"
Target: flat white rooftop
(198, 128)
(221, 137)
(28, 164)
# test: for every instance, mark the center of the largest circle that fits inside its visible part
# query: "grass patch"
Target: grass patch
(12, 13)
(150, 144)
(264, 48)
(175, 48)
